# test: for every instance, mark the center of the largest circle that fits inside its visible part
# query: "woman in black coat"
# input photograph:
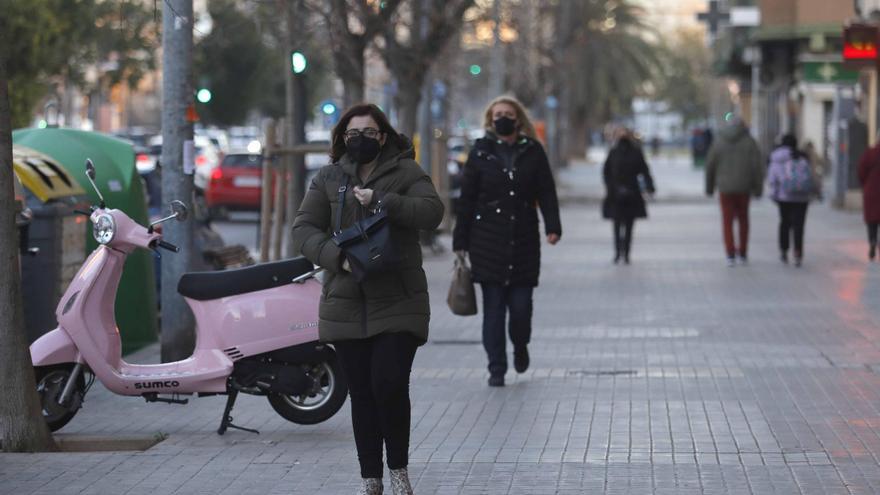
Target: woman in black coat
(506, 178)
(623, 201)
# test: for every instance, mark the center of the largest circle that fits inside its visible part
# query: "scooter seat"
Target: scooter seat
(202, 286)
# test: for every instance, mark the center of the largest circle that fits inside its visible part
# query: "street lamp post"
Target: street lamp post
(752, 55)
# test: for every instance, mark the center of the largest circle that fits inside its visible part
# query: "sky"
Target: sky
(671, 15)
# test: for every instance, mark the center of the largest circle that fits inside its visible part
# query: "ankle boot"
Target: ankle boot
(400, 482)
(371, 486)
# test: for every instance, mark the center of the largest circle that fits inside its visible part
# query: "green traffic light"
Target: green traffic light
(298, 62)
(328, 108)
(476, 69)
(204, 95)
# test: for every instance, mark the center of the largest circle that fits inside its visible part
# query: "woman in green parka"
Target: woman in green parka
(377, 324)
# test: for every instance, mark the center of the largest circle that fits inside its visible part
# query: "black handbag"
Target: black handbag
(367, 244)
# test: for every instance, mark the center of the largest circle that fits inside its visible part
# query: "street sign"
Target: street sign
(860, 45)
(714, 17)
(745, 16)
(828, 72)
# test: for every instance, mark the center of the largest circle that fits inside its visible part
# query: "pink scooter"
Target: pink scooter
(256, 332)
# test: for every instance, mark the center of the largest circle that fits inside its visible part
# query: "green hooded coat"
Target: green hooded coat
(734, 164)
(396, 301)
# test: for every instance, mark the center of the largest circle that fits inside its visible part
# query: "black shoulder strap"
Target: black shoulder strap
(341, 192)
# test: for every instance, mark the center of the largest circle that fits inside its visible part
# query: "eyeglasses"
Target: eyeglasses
(369, 132)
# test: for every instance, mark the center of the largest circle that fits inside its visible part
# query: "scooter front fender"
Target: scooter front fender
(55, 347)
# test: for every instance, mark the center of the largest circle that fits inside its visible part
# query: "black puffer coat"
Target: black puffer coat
(497, 219)
(623, 197)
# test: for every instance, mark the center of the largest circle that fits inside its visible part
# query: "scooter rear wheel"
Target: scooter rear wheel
(50, 383)
(322, 402)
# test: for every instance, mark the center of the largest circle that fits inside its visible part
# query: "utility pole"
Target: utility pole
(177, 336)
(296, 118)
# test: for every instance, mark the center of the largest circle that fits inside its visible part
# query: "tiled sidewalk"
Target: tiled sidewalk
(674, 375)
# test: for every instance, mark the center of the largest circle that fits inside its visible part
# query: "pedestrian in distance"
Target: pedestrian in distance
(506, 179)
(734, 167)
(375, 325)
(869, 178)
(624, 173)
(792, 183)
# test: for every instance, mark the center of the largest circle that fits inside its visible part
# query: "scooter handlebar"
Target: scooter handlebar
(167, 245)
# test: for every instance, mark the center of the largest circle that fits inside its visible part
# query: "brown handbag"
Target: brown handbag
(462, 298)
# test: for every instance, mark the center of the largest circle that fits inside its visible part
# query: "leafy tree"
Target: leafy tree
(22, 428)
(273, 31)
(233, 62)
(609, 60)
(36, 49)
(55, 41)
(684, 80)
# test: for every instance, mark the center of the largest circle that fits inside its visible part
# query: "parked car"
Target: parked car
(315, 161)
(218, 138)
(244, 138)
(207, 157)
(235, 184)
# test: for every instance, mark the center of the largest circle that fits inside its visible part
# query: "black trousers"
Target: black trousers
(498, 300)
(792, 216)
(872, 233)
(378, 370)
(623, 229)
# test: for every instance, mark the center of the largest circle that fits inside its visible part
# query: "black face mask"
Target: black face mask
(504, 126)
(362, 149)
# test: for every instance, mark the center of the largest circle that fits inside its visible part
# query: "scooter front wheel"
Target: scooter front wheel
(321, 402)
(50, 384)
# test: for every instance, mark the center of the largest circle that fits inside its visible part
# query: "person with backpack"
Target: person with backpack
(792, 184)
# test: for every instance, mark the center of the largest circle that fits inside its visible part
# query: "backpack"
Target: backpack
(798, 178)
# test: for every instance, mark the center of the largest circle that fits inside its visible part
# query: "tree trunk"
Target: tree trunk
(409, 95)
(577, 137)
(21, 421)
(353, 87)
(353, 91)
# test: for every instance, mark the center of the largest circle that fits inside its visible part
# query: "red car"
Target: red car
(235, 184)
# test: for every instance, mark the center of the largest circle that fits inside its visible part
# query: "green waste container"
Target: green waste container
(118, 181)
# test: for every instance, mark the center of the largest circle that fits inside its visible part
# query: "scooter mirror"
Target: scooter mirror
(90, 173)
(179, 209)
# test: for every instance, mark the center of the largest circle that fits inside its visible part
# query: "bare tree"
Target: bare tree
(21, 422)
(351, 26)
(410, 49)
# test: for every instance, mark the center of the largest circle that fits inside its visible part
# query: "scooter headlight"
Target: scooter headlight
(104, 228)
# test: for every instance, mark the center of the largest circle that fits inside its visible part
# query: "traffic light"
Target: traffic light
(298, 62)
(328, 108)
(204, 95)
(475, 70)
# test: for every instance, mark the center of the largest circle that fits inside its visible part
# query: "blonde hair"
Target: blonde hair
(523, 123)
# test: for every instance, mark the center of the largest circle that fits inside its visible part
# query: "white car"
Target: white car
(206, 159)
(245, 138)
(315, 161)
